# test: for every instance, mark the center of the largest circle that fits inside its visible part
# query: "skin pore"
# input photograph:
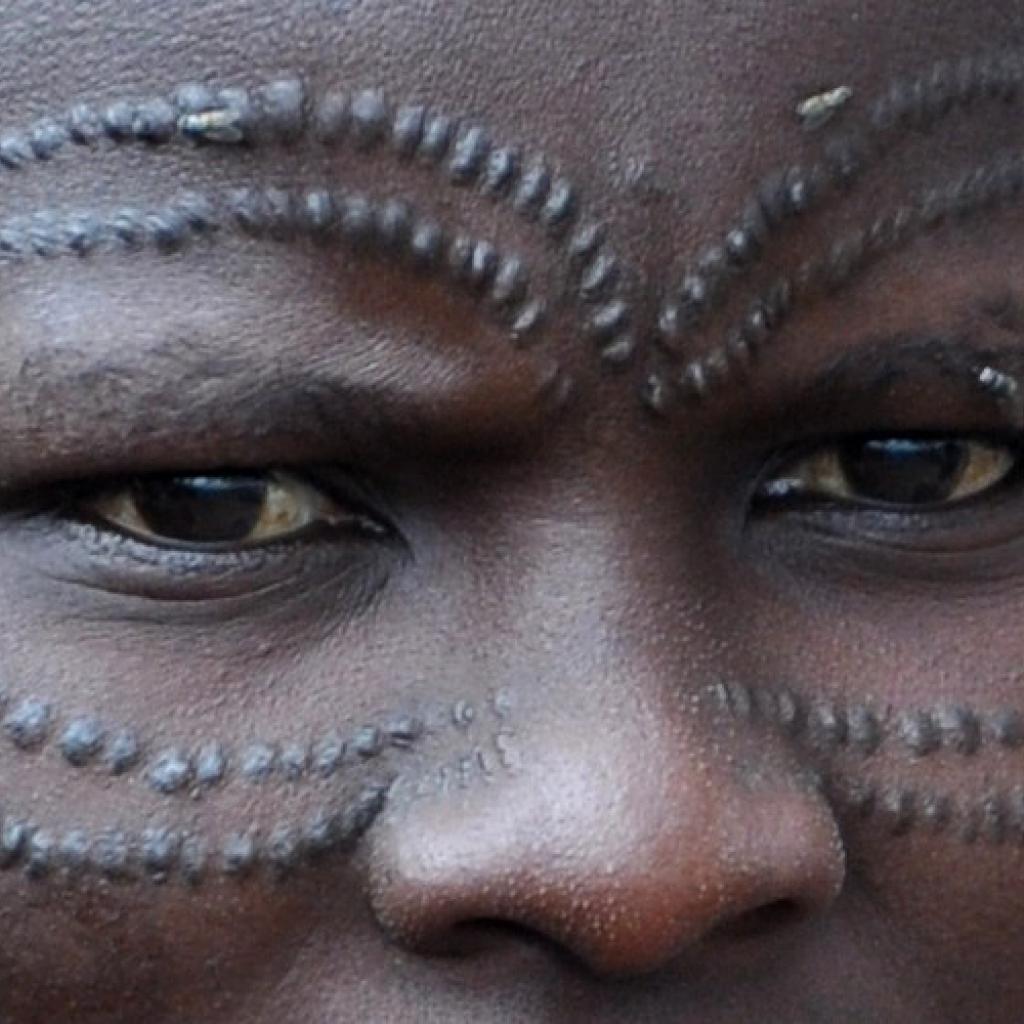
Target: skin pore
(449, 560)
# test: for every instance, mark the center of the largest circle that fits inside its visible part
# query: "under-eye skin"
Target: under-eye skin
(192, 537)
(222, 511)
(911, 473)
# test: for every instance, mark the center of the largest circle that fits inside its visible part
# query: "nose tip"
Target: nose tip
(625, 878)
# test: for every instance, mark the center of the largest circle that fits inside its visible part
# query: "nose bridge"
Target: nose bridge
(609, 597)
(626, 838)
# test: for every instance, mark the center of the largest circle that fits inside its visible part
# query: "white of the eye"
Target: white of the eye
(290, 505)
(822, 473)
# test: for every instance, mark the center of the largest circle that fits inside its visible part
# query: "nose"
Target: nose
(627, 846)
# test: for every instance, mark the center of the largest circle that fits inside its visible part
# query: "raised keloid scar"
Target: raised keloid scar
(366, 760)
(786, 196)
(283, 112)
(467, 157)
(826, 727)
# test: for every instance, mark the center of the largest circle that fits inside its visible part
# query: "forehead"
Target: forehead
(664, 115)
(605, 84)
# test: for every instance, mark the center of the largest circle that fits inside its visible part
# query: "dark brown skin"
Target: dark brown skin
(625, 852)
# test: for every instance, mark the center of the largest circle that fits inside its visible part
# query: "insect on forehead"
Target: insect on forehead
(817, 110)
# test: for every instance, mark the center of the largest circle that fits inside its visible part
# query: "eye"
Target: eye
(906, 472)
(218, 512)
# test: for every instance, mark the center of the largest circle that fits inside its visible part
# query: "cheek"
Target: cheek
(926, 780)
(208, 848)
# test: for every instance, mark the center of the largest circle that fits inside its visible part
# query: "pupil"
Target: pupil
(903, 471)
(201, 509)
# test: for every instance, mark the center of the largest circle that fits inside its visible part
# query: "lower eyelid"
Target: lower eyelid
(106, 570)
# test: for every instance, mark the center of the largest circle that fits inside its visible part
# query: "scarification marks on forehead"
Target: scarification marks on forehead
(981, 191)
(462, 153)
(787, 196)
(466, 157)
(388, 230)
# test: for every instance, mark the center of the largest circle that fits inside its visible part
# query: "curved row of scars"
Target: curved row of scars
(820, 726)
(282, 112)
(787, 196)
(827, 728)
(466, 156)
(335, 767)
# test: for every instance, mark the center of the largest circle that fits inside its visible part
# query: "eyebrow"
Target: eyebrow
(862, 376)
(387, 411)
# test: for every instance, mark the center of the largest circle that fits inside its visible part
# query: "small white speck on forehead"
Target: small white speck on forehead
(817, 110)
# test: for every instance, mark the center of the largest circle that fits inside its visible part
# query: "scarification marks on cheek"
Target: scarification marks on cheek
(161, 853)
(828, 726)
(462, 153)
(787, 196)
(356, 773)
(993, 816)
(31, 726)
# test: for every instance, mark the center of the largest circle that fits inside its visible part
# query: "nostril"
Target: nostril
(760, 921)
(483, 934)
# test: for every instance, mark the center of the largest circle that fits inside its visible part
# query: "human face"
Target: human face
(420, 604)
